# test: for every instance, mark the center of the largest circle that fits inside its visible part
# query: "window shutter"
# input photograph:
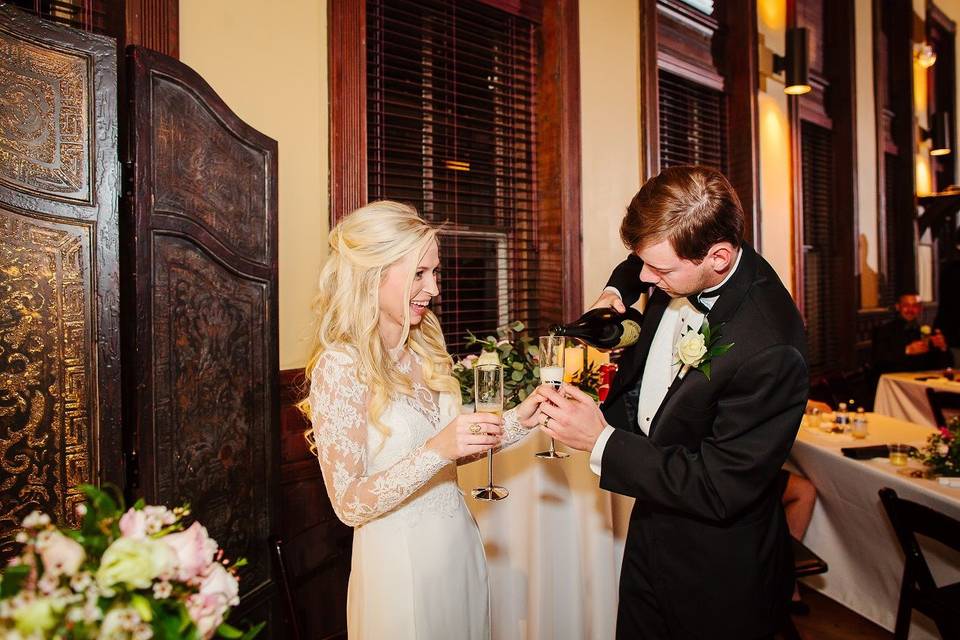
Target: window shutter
(88, 15)
(450, 130)
(693, 123)
(823, 310)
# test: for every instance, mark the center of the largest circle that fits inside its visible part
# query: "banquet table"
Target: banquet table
(904, 395)
(850, 530)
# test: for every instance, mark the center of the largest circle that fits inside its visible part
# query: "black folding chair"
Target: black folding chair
(919, 590)
(805, 563)
(944, 404)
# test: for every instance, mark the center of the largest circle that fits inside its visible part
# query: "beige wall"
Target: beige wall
(776, 201)
(610, 120)
(270, 67)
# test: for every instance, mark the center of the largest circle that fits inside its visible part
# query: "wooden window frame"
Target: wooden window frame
(832, 105)
(557, 116)
(896, 130)
(736, 21)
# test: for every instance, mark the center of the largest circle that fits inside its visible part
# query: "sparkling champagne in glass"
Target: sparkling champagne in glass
(488, 398)
(551, 372)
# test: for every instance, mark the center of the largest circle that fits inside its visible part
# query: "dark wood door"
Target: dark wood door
(202, 333)
(59, 303)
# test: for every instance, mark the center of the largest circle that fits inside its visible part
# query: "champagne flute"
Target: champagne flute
(488, 396)
(551, 372)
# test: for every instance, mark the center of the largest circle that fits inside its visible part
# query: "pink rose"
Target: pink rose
(194, 550)
(61, 555)
(218, 592)
(945, 433)
(133, 524)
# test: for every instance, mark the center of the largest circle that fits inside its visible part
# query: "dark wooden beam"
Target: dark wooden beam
(559, 151)
(739, 50)
(347, 73)
(154, 24)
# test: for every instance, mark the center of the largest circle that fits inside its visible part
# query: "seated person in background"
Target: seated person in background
(900, 345)
(798, 495)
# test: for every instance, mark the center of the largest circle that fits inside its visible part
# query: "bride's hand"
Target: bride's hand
(528, 411)
(467, 434)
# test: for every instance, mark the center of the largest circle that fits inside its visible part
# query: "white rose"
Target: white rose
(691, 348)
(134, 562)
(488, 357)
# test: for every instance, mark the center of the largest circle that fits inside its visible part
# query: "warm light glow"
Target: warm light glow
(797, 89)
(572, 363)
(940, 152)
(775, 188)
(773, 14)
(919, 91)
(924, 184)
(924, 54)
(456, 165)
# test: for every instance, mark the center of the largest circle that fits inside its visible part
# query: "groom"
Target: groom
(697, 438)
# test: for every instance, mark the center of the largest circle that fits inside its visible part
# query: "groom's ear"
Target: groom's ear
(723, 255)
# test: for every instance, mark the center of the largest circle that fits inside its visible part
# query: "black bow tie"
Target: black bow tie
(697, 300)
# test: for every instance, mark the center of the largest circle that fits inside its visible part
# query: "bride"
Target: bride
(387, 431)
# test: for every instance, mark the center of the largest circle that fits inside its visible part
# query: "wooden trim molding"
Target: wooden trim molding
(154, 24)
(347, 72)
(558, 143)
(740, 51)
(649, 89)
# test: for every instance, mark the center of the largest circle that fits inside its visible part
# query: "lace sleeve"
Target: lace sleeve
(513, 431)
(338, 408)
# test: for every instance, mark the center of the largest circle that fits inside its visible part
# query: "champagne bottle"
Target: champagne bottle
(604, 328)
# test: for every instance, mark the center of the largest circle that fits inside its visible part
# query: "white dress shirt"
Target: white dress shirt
(662, 364)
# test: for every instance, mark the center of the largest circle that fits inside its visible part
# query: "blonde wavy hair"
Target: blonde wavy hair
(363, 245)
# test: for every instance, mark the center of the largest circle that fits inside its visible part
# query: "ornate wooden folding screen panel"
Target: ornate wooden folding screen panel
(203, 331)
(59, 306)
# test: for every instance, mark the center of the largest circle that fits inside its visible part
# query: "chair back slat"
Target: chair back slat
(910, 518)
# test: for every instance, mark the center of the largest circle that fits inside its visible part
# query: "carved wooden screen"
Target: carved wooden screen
(203, 351)
(59, 340)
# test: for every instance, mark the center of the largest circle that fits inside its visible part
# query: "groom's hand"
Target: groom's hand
(571, 416)
(609, 299)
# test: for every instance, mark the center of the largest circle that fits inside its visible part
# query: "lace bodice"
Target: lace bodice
(366, 474)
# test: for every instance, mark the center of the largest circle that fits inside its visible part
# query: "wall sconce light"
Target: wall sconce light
(924, 54)
(938, 134)
(795, 63)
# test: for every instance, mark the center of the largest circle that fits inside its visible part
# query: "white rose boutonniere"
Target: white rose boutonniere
(697, 349)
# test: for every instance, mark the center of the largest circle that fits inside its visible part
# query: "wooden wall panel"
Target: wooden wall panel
(59, 301)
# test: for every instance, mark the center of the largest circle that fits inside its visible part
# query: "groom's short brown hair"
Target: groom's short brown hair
(693, 207)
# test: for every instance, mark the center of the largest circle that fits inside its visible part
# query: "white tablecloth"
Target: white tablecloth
(850, 530)
(554, 545)
(903, 396)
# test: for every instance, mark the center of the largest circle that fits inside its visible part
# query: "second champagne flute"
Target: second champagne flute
(551, 372)
(488, 396)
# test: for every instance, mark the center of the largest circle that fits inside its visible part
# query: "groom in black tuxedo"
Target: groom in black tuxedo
(697, 440)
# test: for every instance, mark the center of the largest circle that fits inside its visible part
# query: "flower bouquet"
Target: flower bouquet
(941, 454)
(137, 574)
(520, 357)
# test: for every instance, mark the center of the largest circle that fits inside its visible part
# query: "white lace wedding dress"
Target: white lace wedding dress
(418, 568)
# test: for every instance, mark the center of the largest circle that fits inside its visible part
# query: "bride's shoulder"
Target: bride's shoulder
(335, 361)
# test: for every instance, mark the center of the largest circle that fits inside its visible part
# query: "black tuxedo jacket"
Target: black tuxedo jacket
(707, 535)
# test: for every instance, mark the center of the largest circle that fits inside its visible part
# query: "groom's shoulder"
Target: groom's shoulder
(769, 312)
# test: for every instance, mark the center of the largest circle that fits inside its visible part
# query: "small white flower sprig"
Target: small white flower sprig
(697, 349)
